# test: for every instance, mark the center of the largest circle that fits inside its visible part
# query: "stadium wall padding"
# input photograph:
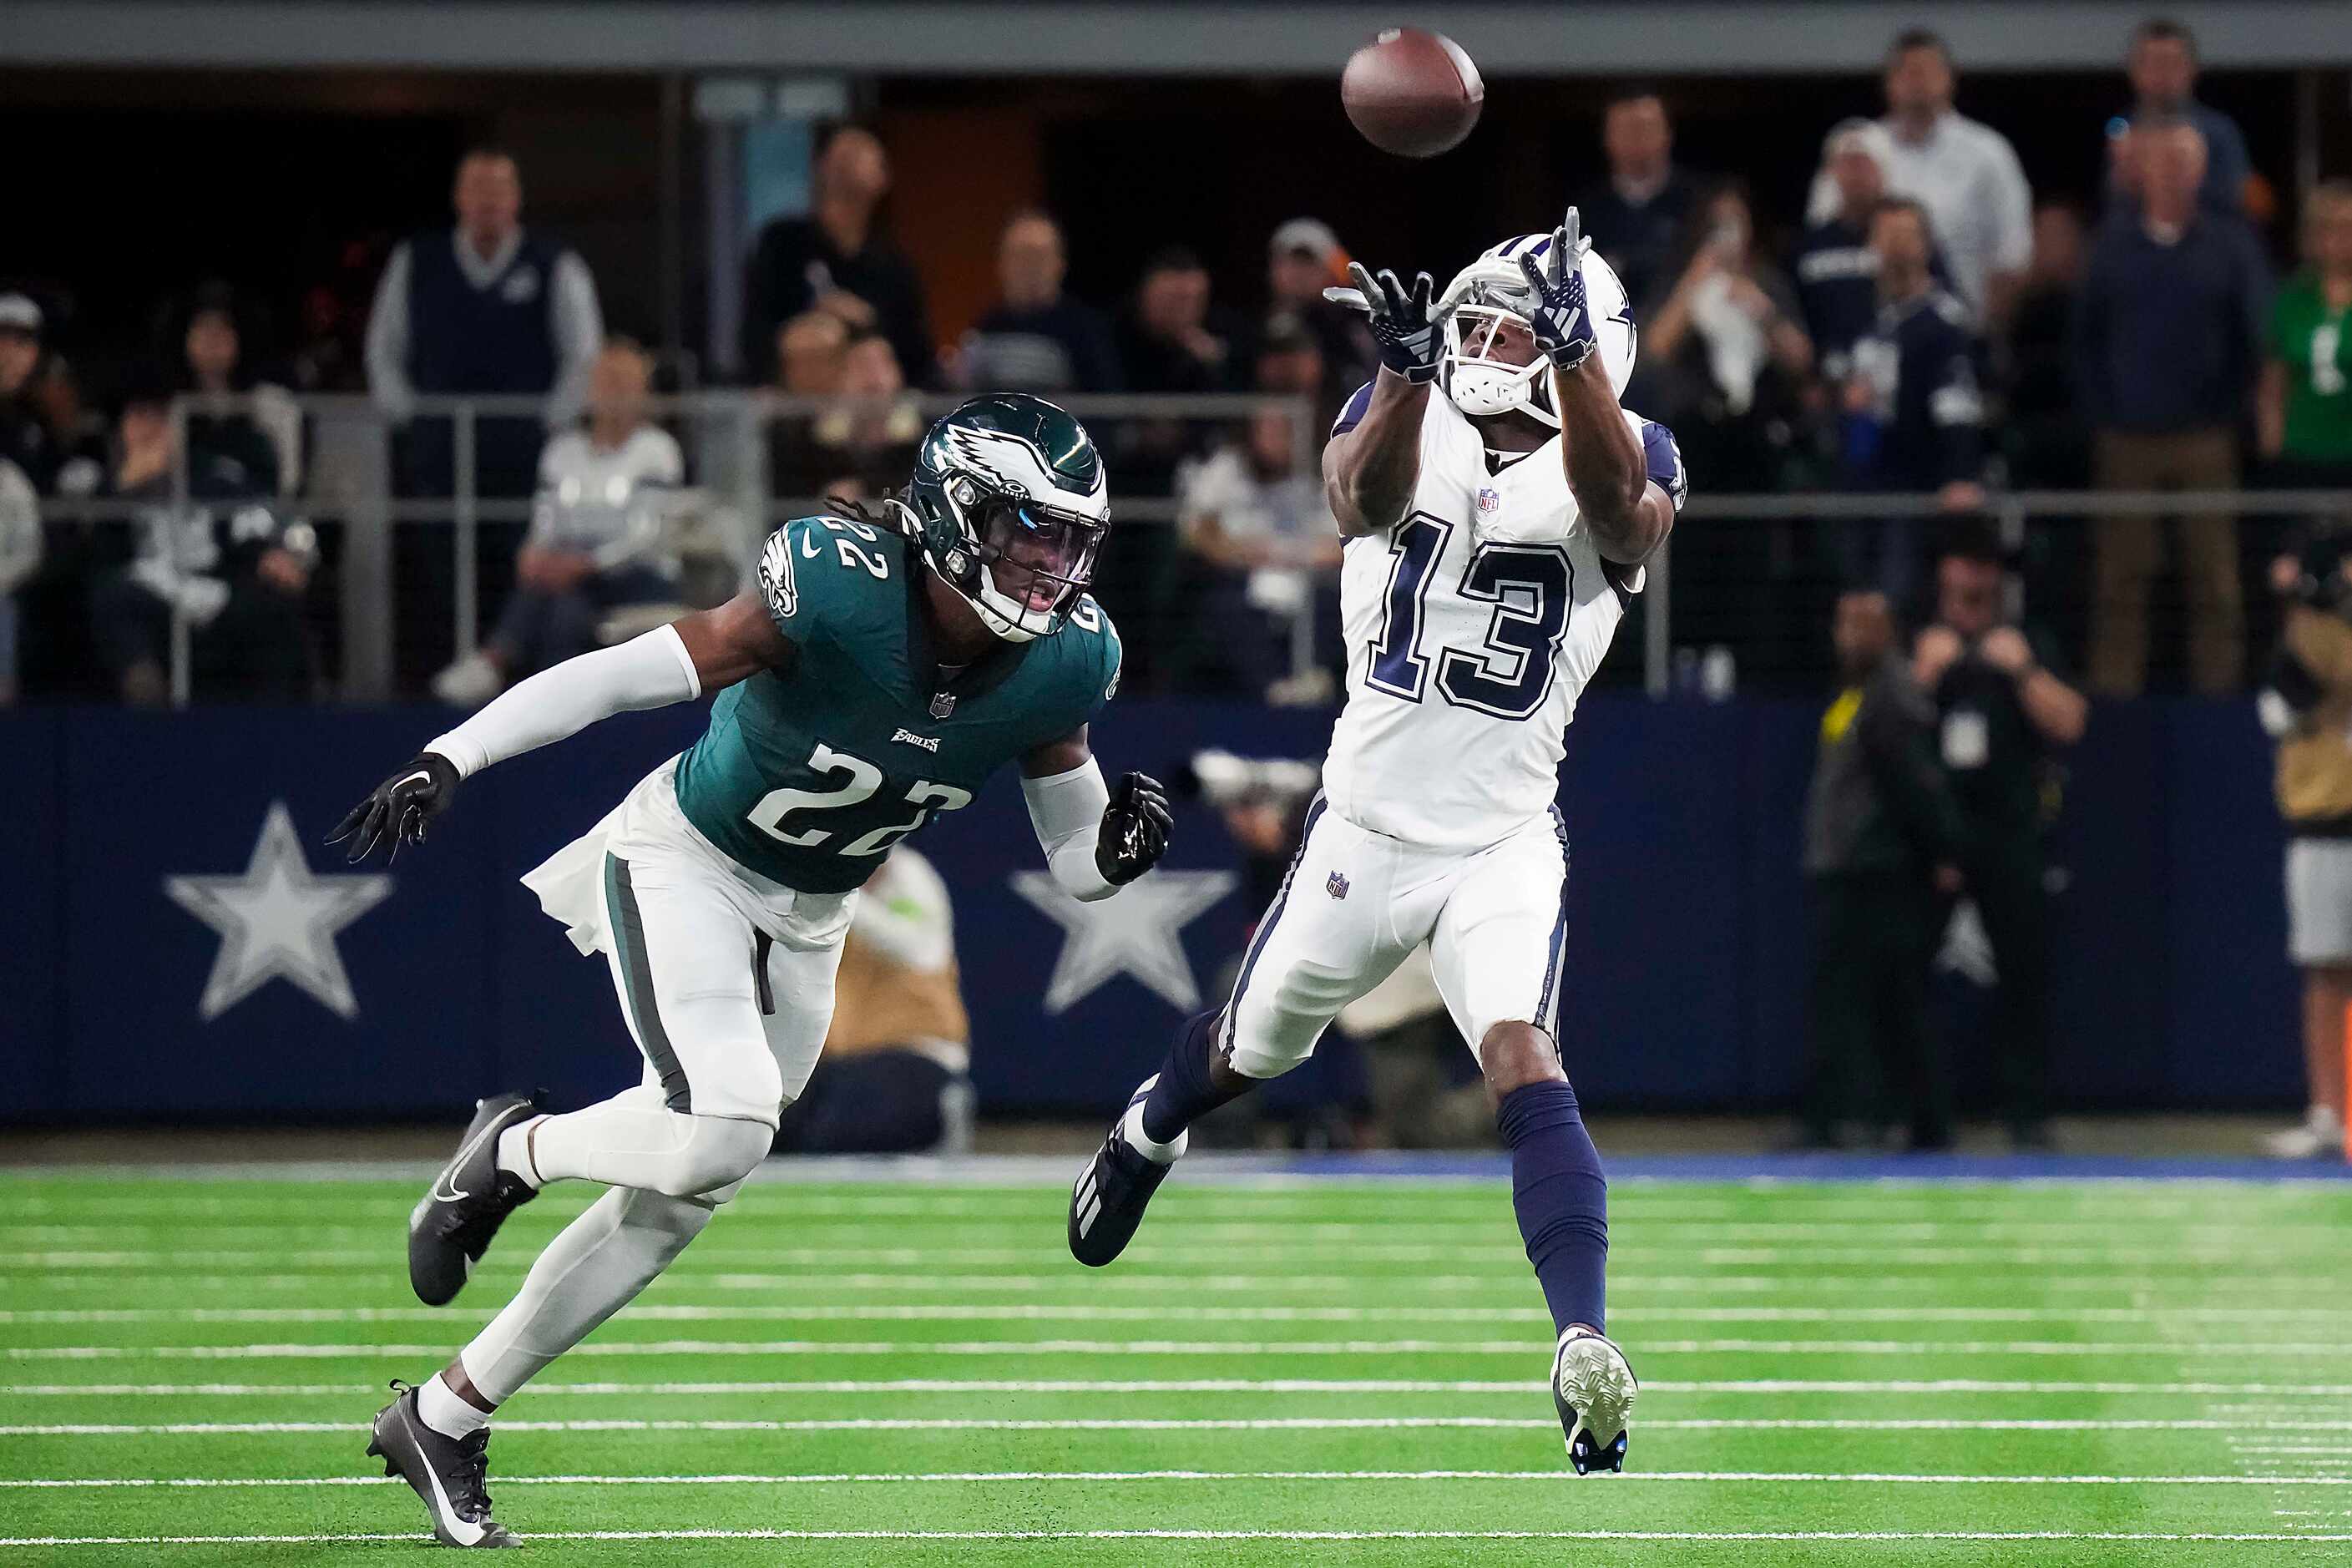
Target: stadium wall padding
(1687, 965)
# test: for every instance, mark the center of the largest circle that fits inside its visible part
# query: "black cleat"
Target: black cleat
(450, 1474)
(1594, 1390)
(1108, 1201)
(452, 1224)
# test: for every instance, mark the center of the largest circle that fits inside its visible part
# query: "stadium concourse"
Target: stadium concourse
(2108, 1362)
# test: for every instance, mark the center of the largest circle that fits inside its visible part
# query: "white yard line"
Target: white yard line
(1302, 1536)
(1206, 1424)
(1492, 1217)
(1970, 1387)
(1239, 1348)
(963, 1477)
(2250, 1255)
(1622, 1287)
(1075, 1311)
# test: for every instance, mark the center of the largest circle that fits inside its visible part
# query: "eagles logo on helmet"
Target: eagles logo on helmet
(1493, 292)
(1009, 502)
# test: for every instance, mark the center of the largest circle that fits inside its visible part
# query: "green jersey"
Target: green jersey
(808, 774)
(2314, 343)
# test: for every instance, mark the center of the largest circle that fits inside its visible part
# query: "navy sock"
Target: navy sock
(1561, 1198)
(1184, 1093)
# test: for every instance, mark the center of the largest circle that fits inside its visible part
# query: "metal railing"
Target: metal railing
(352, 482)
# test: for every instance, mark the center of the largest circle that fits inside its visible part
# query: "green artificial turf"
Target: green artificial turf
(1270, 1364)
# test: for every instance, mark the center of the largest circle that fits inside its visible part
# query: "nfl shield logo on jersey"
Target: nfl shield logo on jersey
(1337, 886)
(1489, 500)
(942, 704)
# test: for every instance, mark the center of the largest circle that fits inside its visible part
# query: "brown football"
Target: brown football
(1412, 93)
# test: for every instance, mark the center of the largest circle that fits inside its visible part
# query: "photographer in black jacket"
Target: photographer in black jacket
(2001, 714)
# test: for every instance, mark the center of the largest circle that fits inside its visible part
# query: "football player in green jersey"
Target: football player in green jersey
(874, 678)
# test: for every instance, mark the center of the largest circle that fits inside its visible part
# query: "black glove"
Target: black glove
(396, 811)
(1408, 329)
(1558, 315)
(1134, 830)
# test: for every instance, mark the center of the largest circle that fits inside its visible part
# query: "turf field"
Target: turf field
(894, 1372)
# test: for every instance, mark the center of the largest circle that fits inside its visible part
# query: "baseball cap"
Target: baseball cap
(1310, 235)
(19, 314)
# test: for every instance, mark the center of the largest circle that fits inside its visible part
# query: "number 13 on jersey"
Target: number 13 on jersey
(1509, 670)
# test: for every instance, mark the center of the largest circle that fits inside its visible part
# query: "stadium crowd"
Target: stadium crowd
(1925, 327)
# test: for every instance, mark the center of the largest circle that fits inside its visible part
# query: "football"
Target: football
(1412, 92)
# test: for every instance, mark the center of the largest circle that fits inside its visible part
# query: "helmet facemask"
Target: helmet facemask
(1022, 565)
(1492, 365)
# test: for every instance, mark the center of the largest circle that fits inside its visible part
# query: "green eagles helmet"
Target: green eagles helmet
(1011, 502)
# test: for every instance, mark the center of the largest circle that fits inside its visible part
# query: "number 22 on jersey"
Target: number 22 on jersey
(860, 779)
(1509, 671)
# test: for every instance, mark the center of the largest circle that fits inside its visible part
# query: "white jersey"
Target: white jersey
(1472, 627)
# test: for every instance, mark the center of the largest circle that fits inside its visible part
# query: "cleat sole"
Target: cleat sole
(1594, 1391)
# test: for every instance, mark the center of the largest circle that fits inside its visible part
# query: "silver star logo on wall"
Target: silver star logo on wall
(1137, 931)
(277, 921)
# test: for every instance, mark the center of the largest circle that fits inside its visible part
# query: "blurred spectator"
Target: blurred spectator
(811, 357)
(77, 434)
(811, 351)
(1290, 361)
(2305, 416)
(1175, 340)
(1638, 219)
(20, 554)
(252, 421)
(55, 655)
(595, 535)
(1036, 338)
(224, 564)
(2048, 446)
(1263, 545)
(894, 1077)
(864, 446)
(1303, 259)
(2308, 710)
(2002, 713)
(489, 308)
(323, 360)
(1964, 173)
(2167, 346)
(24, 436)
(1881, 843)
(1836, 270)
(1913, 417)
(838, 260)
(1727, 349)
(2162, 65)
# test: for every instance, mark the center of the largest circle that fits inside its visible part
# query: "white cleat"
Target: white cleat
(1593, 1389)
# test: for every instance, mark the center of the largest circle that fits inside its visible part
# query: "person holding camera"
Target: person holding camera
(2001, 714)
(2307, 709)
(1882, 843)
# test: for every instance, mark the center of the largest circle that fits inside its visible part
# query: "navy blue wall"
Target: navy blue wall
(1685, 984)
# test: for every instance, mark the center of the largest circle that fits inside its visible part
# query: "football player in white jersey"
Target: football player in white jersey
(1495, 535)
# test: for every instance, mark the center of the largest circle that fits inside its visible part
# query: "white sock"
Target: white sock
(514, 1151)
(1143, 1143)
(441, 1409)
(593, 1268)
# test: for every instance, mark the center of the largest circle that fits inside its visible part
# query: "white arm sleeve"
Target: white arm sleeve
(1066, 811)
(649, 671)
